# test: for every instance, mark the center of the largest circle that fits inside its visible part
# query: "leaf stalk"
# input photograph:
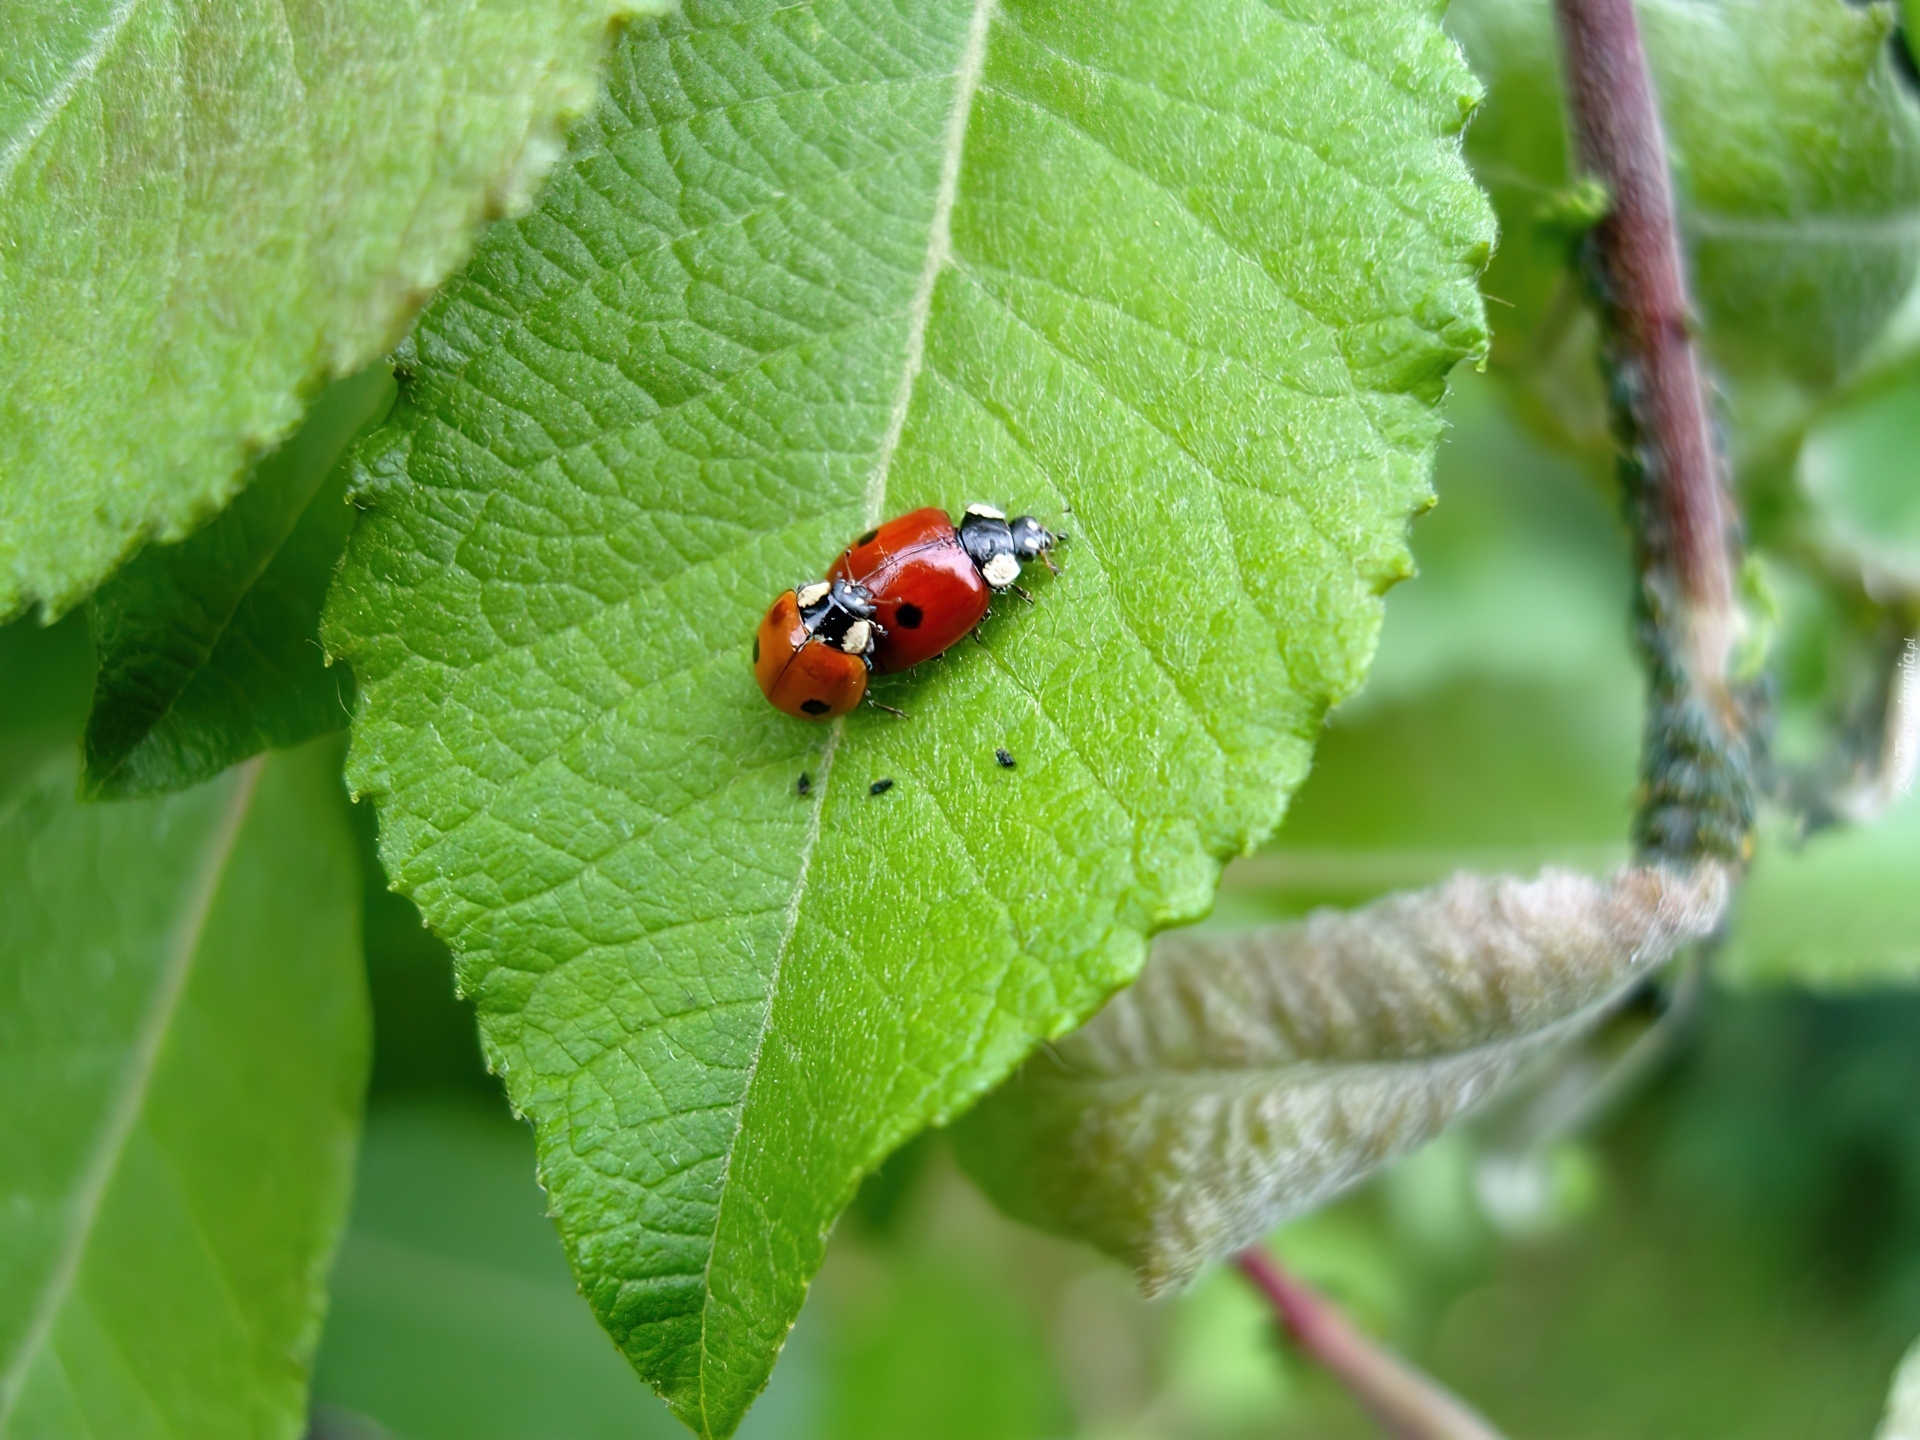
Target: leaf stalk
(1409, 1404)
(1697, 793)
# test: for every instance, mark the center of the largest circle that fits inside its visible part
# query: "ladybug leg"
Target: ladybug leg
(888, 708)
(1047, 560)
(1021, 593)
(975, 632)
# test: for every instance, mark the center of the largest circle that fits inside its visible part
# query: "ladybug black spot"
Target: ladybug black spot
(867, 539)
(815, 707)
(909, 617)
(756, 649)
(879, 787)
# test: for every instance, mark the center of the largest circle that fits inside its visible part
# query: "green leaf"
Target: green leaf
(46, 677)
(936, 1349)
(1860, 466)
(453, 1316)
(1797, 160)
(206, 213)
(210, 649)
(1197, 272)
(1836, 912)
(183, 1038)
(1247, 1079)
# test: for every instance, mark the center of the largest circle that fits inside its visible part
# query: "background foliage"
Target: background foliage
(1722, 1238)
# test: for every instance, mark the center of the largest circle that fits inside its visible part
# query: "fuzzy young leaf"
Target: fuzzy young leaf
(205, 212)
(183, 1041)
(210, 649)
(1250, 1078)
(1797, 160)
(1189, 277)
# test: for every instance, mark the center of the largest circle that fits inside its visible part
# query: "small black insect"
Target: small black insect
(805, 784)
(879, 787)
(1004, 757)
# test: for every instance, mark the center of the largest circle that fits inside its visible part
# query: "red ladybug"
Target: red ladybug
(812, 653)
(931, 582)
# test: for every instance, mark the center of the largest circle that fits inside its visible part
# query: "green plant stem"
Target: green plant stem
(1696, 798)
(1408, 1404)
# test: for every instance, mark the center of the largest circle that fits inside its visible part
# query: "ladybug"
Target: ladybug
(814, 649)
(931, 581)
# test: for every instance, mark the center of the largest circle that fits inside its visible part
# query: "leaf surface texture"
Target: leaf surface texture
(208, 209)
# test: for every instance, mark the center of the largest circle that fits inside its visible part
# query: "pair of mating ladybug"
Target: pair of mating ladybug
(900, 594)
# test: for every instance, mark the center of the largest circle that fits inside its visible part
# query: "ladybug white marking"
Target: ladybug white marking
(986, 512)
(812, 594)
(858, 638)
(1001, 571)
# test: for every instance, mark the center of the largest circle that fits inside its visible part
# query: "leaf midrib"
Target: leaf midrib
(939, 254)
(118, 1123)
(1888, 227)
(1293, 1074)
(58, 99)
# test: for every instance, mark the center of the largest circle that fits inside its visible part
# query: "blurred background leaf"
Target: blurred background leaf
(1246, 1079)
(454, 1315)
(1860, 467)
(182, 1048)
(1838, 910)
(1796, 148)
(209, 649)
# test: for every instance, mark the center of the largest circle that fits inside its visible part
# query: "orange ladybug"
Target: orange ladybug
(814, 649)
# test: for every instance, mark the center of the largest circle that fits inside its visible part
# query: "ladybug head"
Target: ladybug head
(1030, 538)
(841, 600)
(998, 545)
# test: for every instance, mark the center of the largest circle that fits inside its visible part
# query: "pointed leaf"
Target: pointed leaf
(206, 211)
(210, 649)
(183, 1042)
(1250, 1078)
(1194, 273)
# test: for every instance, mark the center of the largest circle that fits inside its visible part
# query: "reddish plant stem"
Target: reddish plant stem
(1408, 1404)
(1705, 726)
(1617, 139)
